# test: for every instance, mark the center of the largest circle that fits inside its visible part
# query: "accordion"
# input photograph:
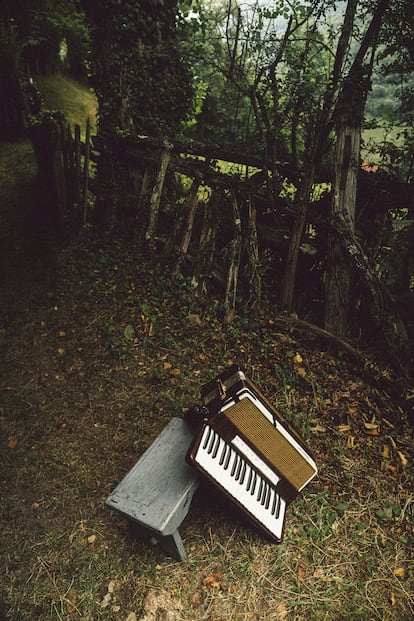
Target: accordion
(248, 450)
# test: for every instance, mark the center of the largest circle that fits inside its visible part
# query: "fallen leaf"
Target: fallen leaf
(62, 333)
(197, 598)
(213, 581)
(297, 358)
(386, 451)
(399, 572)
(195, 319)
(92, 539)
(61, 351)
(392, 468)
(281, 611)
(166, 366)
(371, 426)
(301, 371)
(35, 506)
(403, 458)
(301, 572)
(393, 599)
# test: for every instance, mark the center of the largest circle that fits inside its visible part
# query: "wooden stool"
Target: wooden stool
(156, 493)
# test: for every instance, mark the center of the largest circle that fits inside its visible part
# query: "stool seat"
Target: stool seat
(156, 493)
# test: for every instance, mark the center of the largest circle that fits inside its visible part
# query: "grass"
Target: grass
(60, 92)
(98, 352)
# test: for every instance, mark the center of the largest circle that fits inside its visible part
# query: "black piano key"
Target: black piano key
(211, 443)
(216, 447)
(228, 456)
(273, 509)
(239, 469)
(260, 489)
(276, 506)
(264, 493)
(207, 437)
(242, 473)
(268, 495)
(254, 483)
(223, 454)
(250, 478)
(235, 462)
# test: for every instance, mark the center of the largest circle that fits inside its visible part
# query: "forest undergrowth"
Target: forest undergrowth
(98, 352)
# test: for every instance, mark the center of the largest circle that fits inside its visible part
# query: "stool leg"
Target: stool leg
(173, 545)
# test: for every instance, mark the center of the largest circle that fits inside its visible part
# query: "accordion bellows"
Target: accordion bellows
(273, 445)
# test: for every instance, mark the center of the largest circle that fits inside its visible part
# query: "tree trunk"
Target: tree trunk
(252, 271)
(234, 263)
(382, 308)
(343, 205)
(350, 110)
(296, 237)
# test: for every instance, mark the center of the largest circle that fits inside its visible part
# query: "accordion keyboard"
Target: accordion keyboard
(244, 476)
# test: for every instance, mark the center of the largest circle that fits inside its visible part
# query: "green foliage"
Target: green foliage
(140, 77)
(266, 79)
(53, 35)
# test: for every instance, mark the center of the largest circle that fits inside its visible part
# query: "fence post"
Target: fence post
(156, 198)
(47, 145)
(86, 172)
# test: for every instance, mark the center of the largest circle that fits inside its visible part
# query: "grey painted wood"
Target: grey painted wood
(156, 493)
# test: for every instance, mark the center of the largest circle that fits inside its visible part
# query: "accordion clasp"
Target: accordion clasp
(221, 389)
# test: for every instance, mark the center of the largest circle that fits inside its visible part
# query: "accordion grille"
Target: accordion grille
(271, 443)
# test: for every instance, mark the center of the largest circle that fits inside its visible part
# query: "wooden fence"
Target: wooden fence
(65, 159)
